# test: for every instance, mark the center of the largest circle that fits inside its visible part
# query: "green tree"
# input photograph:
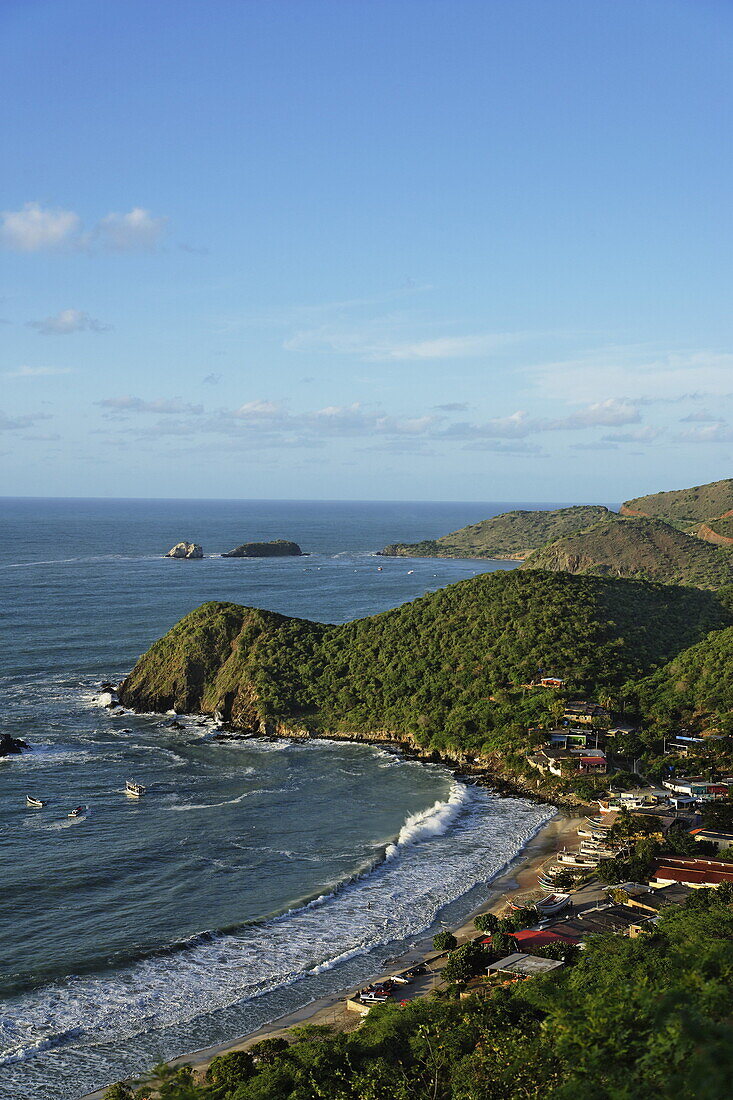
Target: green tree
(444, 941)
(486, 922)
(267, 1050)
(465, 962)
(230, 1070)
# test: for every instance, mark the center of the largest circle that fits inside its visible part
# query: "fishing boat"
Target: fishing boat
(77, 811)
(574, 860)
(135, 790)
(553, 903)
(35, 802)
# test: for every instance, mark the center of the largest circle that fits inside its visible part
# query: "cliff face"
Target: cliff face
(638, 548)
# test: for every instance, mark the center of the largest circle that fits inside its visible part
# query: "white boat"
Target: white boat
(35, 802)
(553, 903)
(574, 860)
(135, 790)
(78, 811)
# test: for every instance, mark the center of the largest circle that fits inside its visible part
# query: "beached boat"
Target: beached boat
(35, 802)
(135, 790)
(553, 903)
(77, 811)
(574, 860)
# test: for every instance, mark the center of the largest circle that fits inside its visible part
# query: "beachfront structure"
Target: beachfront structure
(602, 919)
(720, 840)
(524, 966)
(691, 872)
(698, 787)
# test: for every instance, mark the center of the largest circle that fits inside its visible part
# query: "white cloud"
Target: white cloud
(645, 375)
(160, 405)
(68, 321)
(711, 433)
(14, 423)
(34, 228)
(636, 435)
(376, 342)
(700, 417)
(256, 410)
(136, 231)
(36, 372)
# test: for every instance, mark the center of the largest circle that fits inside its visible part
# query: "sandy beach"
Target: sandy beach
(521, 875)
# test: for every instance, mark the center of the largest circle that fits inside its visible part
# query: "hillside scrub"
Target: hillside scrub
(446, 669)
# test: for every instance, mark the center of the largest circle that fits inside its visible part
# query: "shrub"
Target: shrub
(230, 1070)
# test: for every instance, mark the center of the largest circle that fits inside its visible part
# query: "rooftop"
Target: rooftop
(527, 966)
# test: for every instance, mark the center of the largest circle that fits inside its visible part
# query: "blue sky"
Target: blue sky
(369, 249)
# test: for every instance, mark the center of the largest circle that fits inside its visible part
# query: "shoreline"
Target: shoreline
(519, 875)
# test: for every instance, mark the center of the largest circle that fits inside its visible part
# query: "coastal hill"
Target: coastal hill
(278, 548)
(647, 549)
(684, 506)
(510, 535)
(444, 671)
(694, 689)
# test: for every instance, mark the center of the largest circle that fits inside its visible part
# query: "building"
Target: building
(720, 840)
(530, 939)
(551, 682)
(697, 787)
(524, 966)
(692, 872)
(585, 714)
(603, 919)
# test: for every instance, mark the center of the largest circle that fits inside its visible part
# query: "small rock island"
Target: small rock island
(12, 746)
(185, 550)
(278, 548)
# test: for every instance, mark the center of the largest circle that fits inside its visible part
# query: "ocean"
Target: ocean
(255, 876)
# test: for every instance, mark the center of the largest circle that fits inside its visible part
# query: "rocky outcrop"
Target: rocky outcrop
(185, 550)
(278, 548)
(12, 746)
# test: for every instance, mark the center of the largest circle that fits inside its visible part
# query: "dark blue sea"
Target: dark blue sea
(254, 876)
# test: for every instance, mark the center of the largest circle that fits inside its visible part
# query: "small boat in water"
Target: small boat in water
(135, 790)
(35, 802)
(78, 811)
(553, 903)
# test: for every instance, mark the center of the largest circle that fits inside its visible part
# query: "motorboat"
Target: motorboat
(78, 811)
(135, 790)
(35, 802)
(553, 903)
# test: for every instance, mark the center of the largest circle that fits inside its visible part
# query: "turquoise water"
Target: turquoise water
(254, 876)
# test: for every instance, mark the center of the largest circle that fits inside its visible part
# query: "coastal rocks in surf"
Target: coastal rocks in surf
(278, 548)
(185, 550)
(12, 746)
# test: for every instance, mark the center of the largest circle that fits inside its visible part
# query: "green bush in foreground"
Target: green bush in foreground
(444, 941)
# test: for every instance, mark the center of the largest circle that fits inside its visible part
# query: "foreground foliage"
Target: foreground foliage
(646, 1018)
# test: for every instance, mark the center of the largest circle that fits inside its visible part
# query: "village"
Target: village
(641, 849)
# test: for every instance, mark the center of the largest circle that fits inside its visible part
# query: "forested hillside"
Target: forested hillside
(444, 669)
(686, 506)
(647, 549)
(695, 688)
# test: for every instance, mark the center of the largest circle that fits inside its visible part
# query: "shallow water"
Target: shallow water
(254, 876)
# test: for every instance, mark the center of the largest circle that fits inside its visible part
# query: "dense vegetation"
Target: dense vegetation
(722, 527)
(647, 549)
(633, 1018)
(445, 670)
(694, 689)
(687, 506)
(510, 535)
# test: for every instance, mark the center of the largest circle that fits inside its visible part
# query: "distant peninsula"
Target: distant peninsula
(680, 537)
(278, 548)
(512, 535)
